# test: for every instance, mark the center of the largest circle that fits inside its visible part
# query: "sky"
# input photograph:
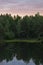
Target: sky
(21, 7)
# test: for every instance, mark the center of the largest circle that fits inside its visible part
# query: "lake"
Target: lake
(21, 53)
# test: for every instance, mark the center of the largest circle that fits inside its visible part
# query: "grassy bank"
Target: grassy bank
(29, 41)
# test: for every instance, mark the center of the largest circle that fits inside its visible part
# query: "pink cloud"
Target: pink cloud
(21, 7)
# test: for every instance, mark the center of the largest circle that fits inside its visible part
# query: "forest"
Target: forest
(27, 27)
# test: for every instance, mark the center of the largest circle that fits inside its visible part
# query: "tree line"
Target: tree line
(28, 27)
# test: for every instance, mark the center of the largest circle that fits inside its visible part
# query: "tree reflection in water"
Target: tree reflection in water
(24, 51)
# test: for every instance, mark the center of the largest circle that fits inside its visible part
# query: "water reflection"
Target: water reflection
(17, 62)
(23, 52)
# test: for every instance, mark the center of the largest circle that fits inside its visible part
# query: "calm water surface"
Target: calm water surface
(21, 53)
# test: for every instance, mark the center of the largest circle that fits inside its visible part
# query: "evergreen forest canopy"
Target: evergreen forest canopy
(28, 27)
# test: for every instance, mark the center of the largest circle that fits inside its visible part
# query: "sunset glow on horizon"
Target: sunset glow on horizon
(21, 7)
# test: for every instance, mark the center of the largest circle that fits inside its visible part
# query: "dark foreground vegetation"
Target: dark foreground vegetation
(28, 27)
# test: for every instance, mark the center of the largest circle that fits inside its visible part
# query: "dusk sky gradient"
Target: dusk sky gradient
(21, 7)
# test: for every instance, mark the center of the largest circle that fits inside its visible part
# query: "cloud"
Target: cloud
(18, 6)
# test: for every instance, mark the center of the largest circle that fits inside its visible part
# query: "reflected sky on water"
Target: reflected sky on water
(16, 62)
